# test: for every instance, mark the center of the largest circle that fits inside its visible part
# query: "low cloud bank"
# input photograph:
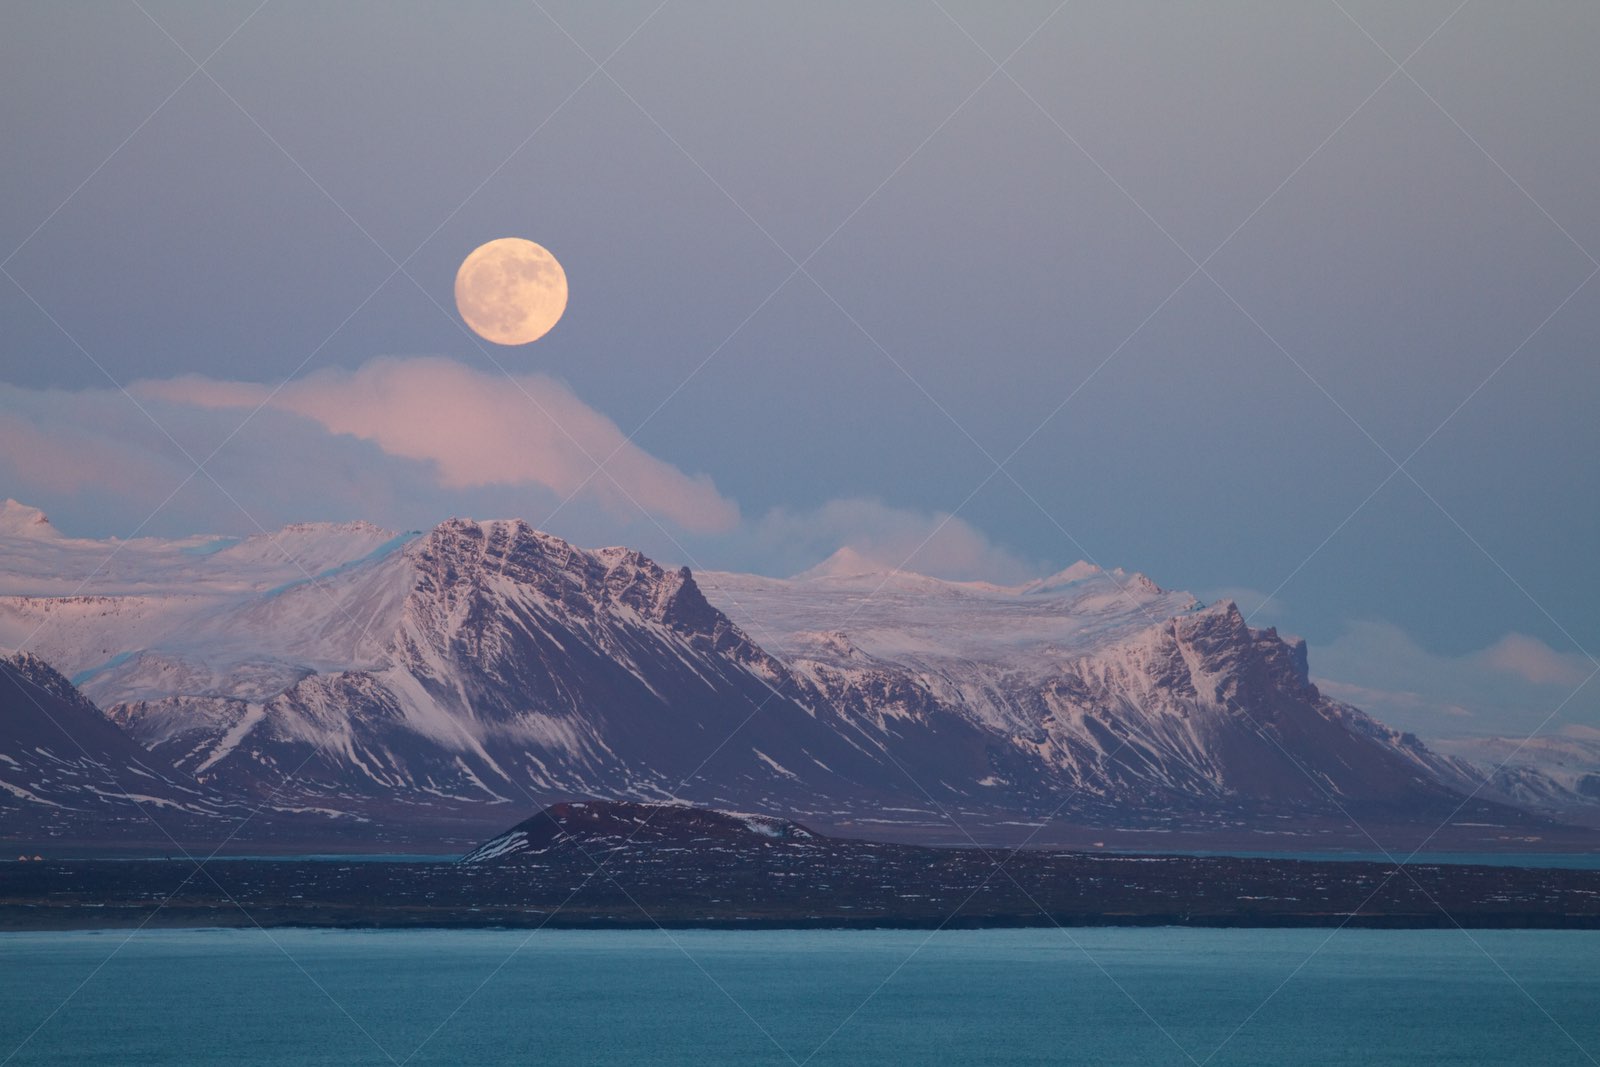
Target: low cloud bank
(785, 541)
(1508, 687)
(409, 442)
(478, 429)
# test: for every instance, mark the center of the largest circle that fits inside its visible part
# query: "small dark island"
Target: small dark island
(599, 864)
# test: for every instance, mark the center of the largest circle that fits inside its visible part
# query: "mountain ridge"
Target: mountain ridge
(451, 673)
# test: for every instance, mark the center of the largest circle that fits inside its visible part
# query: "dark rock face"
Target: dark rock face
(582, 826)
(62, 764)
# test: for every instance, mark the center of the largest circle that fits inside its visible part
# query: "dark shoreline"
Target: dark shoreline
(832, 886)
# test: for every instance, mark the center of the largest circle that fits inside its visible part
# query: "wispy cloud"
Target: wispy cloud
(785, 541)
(62, 455)
(1508, 686)
(477, 429)
(1534, 661)
(409, 442)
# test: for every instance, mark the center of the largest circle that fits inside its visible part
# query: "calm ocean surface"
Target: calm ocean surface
(1096, 996)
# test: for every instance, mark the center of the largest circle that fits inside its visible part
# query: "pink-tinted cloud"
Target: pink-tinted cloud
(1512, 684)
(1384, 702)
(932, 543)
(71, 443)
(1534, 661)
(479, 429)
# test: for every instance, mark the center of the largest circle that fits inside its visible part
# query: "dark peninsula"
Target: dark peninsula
(619, 865)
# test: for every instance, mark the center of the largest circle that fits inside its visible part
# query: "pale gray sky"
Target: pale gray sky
(991, 266)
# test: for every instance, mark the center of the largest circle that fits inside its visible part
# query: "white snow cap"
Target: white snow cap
(847, 562)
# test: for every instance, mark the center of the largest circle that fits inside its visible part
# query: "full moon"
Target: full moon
(511, 291)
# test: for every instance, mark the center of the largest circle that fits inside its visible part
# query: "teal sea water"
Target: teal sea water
(1091, 996)
(1578, 861)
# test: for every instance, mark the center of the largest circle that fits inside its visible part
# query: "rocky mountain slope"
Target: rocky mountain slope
(64, 767)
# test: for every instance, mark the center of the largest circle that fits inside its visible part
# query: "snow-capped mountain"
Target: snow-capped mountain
(478, 665)
(1558, 771)
(483, 664)
(1124, 691)
(482, 667)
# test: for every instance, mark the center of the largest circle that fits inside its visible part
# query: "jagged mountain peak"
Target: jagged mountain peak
(1221, 643)
(467, 552)
(1222, 619)
(509, 541)
(38, 673)
(494, 541)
